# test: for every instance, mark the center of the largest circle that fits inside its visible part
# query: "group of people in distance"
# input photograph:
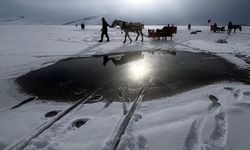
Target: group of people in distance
(229, 26)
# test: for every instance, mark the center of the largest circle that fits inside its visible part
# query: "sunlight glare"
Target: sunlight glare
(152, 5)
(138, 3)
(138, 70)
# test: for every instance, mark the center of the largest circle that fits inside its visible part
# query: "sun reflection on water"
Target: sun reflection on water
(139, 70)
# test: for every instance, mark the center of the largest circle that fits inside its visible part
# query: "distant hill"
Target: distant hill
(22, 20)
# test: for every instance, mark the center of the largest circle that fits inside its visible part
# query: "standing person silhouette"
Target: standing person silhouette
(104, 30)
(215, 27)
(189, 26)
(230, 26)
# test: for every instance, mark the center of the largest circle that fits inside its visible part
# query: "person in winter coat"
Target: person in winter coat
(104, 30)
(230, 26)
(189, 26)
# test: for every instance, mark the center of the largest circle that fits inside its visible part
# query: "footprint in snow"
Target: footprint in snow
(247, 93)
(238, 95)
(38, 144)
(218, 137)
(133, 142)
(229, 89)
(52, 113)
(142, 143)
(215, 100)
(192, 141)
(137, 117)
(79, 122)
(58, 132)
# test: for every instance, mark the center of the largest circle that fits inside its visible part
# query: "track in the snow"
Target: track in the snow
(127, 118)
(23, 142)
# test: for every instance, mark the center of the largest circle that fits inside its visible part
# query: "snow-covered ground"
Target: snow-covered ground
(188, 121)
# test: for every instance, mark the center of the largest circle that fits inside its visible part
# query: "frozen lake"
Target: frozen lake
(198, 98)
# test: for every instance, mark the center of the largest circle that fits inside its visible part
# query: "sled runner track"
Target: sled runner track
(127, 118)
(23, 142)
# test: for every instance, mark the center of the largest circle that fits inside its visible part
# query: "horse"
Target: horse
(235, 27)
(129, 27)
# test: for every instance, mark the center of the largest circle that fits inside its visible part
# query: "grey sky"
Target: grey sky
(146, 11)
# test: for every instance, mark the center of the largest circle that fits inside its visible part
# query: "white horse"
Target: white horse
(129, 27)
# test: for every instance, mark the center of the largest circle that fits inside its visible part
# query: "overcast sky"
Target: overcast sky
(146, 11)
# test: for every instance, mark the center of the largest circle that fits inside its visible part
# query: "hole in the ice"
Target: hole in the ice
(79, 122)
(73, 78)
(51, 113)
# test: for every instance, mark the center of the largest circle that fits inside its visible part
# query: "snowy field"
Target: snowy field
(214, 117)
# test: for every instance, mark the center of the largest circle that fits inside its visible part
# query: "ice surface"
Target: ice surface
(183, 121)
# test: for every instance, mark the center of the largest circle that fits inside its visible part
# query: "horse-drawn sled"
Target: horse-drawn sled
(215, 28)
(163, 33)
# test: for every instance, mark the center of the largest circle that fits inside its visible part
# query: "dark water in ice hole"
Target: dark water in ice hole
(118, 77)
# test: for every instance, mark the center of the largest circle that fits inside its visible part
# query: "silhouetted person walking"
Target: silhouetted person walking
(215, 27)
(82, 26)
(189, 26)
(105, 26)
(230, 26)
